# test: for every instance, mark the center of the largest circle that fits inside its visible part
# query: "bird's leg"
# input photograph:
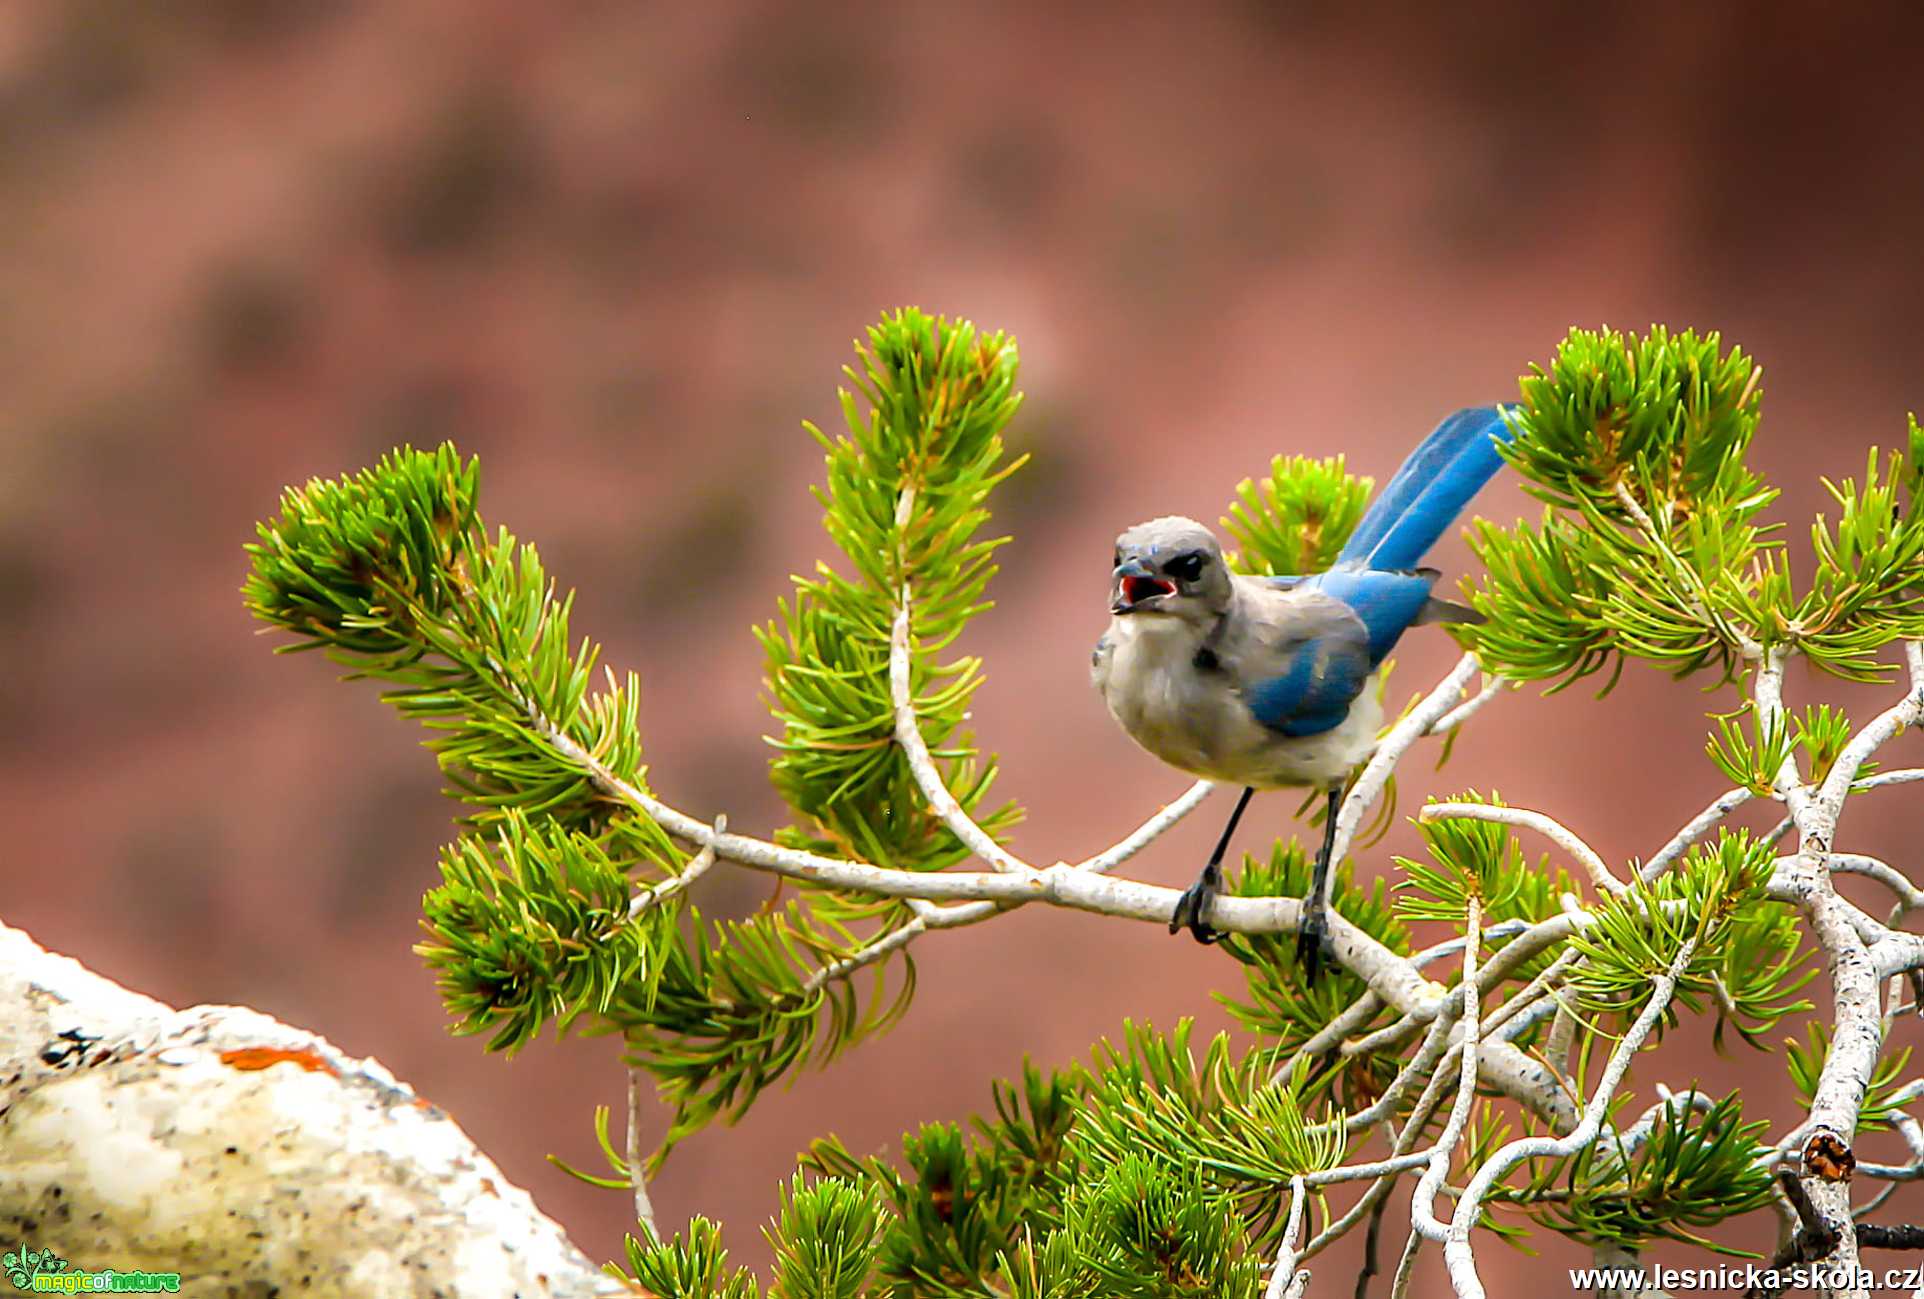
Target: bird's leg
(1192, 908)
(1312, 934)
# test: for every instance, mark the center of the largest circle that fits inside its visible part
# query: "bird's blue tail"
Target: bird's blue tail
(1447, 468)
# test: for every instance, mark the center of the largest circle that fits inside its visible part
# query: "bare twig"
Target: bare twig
(1401, 1159)
(1420, 1067)
(1909, 896)
(1694, 829)
(637, 1173)
(1423, 1219)
(1148, 832)
(1815, 1238)
(1372, 1241)
(1470, 707)
(1332, 1035)
(1406, 1266)
(1913, 1134)
(1410, 728)
(893, 941)
(1527, 995)
(1899, 776)
(1549, 828)
(1456, 1245)
(1285, 1281)
(697, 866)
(908, 734)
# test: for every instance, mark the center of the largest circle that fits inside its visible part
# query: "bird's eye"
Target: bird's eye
(1117, 561)
(1185, 568)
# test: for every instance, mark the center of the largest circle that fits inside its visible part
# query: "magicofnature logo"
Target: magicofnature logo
(46, 1272)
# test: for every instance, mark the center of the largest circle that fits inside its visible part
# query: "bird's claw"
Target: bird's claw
(1313, 945)
(1192, 909)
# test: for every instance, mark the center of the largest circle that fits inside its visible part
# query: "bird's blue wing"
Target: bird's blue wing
(1301, 659)
(1317, 678)
(1313, 693)
(1386, 603)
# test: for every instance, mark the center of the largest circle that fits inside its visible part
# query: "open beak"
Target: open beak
(1137, 588)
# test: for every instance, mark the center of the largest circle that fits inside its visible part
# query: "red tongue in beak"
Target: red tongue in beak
(1137, 589)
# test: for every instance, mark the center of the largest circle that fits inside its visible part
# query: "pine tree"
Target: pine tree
(1495, 1059)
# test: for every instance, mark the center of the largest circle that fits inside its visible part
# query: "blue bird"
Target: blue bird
(1267, 682)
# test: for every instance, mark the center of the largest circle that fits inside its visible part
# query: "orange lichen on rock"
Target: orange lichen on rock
(265, 1057)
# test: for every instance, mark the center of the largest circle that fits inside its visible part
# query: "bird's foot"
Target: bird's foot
(1313, 945)
(1193, 907)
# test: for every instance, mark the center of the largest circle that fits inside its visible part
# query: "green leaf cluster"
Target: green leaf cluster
(960, 1204)
(1295, 520)
(1806, 1061)
(1472, 859)
(533, 928)
(391, 573)
(693, 1265)
(824, 1240)
(1652, 546)
(1150, 1171)
(1744, 962)
(1868, 588)
(1693, 1171)
(1227, 1115)
(540, 918)
(1143, 1229)
(904, 502)
(1751, 755)
(1648, 547)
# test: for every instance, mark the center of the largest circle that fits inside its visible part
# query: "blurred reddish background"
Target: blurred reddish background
(619, 251)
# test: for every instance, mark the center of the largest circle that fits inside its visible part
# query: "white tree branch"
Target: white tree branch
(1901, 776)
(1400, 1160)
(1456, 1246)
(1694, 829)
(1881, 729)
(1394, 979)
(1857, 1028)
(1549, 828)
(1470, 707)
(1894, 1175)
(1422, 1216)
(908, 734)
(1285, 1282)
(1408, 729)
(1333, 1035)
(697, 867)
(637, 1170)
(1909, 896)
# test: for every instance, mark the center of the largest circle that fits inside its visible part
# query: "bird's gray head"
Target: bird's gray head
(1170, 566)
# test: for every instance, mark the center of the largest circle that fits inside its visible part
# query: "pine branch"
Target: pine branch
(565, 901)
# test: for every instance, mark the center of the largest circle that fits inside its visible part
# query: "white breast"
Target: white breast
(1195, 720)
